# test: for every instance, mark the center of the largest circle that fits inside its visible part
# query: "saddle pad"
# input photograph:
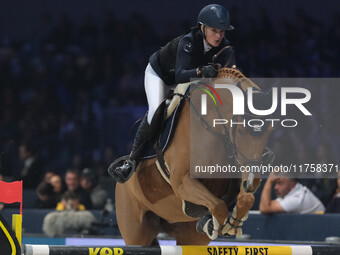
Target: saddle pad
(166, 136)
(181, 89)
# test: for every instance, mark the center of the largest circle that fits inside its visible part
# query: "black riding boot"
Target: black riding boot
(123, 173)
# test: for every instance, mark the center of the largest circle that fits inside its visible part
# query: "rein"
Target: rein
(231, 56)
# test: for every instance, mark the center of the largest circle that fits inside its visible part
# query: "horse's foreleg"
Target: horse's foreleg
(251, 182)
(137, 225)
(192, 190)
(245, 201)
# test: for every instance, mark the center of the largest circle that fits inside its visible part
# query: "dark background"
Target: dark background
(71, 73)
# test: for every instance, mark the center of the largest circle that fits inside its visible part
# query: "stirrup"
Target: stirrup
(118, 163)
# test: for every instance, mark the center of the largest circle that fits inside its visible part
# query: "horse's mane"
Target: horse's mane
(236, 74)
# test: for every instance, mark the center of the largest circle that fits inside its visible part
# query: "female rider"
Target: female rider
(187, 56)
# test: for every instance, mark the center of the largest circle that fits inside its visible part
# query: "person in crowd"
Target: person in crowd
(292, 197)
(185, 57)
(46, 197)
(58, 186)
(70, 201)
(48, 175)
(32, 172)
(72, 180)
(69, 218)
(334, 204)
(89, 182)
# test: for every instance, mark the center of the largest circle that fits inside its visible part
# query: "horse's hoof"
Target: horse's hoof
(205, 225)
(229, 229)
(249, 183)
(226, 230)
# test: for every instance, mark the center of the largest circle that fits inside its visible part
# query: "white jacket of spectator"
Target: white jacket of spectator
(301, 200)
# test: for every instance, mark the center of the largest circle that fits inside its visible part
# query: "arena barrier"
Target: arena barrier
(181, 250)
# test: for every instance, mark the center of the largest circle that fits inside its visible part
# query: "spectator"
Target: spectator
(292, 197)
(89, 182)
(334, 204)
(72, 180)
(70, 218)
(48, 175)
(58, 186)
(32, 172)
(70, 201)
(46, 196)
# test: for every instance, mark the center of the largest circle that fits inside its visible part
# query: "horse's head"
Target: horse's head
(226, 132)
(248, 132)
(228, 129)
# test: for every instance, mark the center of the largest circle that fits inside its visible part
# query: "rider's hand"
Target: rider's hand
(208, 71)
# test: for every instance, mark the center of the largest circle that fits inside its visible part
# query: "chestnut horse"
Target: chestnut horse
(147, 203)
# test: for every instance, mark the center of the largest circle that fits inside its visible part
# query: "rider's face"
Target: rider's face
(214, 36)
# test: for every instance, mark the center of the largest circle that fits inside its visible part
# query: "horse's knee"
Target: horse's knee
(220, 207)
(245, 200)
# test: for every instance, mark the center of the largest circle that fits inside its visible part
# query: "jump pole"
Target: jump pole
(180, 250)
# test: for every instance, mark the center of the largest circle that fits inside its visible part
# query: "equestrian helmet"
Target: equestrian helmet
(215, 16)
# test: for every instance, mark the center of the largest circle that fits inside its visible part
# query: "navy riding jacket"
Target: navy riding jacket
(177, 61)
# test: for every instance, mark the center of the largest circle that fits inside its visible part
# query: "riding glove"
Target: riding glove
(208, 71)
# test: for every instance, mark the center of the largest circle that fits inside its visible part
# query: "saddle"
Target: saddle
(164, 122)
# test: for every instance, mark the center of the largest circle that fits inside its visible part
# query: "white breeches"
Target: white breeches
(155, 90)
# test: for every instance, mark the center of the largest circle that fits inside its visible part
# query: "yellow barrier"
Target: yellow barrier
(236, 250)
(17, 226)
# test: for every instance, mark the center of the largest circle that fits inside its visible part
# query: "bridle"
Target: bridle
(229, 141)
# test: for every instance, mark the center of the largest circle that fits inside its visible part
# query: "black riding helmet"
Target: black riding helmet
(215, 16)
